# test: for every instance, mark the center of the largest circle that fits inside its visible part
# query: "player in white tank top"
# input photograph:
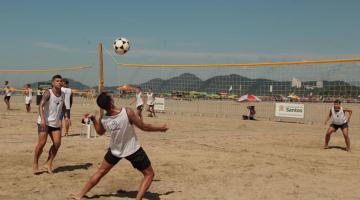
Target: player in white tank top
(50, 109)
(150, 102)
(119, 122)
(68, 104)
(139, 99)
(338, 118)
(28, 97)
(7, 95)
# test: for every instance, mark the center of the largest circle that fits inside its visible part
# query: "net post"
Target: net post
(101, 73)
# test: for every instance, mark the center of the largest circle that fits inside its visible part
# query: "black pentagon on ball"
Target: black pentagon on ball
(123, 42)
(122, 47)
(125, 51)
(116, 47)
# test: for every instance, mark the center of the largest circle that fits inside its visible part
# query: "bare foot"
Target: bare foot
(326, 147)
(348, 149)
(35, 169)
(48, 168)
(75, 196)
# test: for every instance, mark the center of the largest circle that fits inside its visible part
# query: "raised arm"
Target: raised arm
(350, 113)
(134, 119)
(133, 101)
(97, 125)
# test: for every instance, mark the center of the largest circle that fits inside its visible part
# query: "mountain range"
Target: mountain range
(239, 85)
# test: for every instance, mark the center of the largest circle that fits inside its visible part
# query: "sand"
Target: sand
(200, 157)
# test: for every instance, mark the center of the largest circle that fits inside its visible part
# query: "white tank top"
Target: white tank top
(28, 96)
(123, 141)
(338, 118)
(150, 99)
(67, 92)
(139, 100)
(53, 110)
(8, 90)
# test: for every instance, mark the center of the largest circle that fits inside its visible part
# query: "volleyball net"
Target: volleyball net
(228, 89)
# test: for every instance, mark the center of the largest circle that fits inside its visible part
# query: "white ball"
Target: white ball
(121, 45)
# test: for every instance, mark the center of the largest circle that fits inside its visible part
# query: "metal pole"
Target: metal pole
(101, 74)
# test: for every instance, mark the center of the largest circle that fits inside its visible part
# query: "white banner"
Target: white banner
(292, 110)
(159, 104)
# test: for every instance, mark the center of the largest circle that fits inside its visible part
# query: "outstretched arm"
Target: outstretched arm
(99, 128)
(134, 119)
(133, 101)
(350, 113)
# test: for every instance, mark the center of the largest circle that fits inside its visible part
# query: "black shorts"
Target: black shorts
(342, 126)
(7, 98)
(139, 159)
(140, 107)
(48, 129)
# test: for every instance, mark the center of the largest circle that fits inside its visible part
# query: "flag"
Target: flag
(230, 89)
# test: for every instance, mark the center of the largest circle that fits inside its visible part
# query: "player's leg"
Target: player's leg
(55, 136)
(7, 102)
(42, 137)
(329, 131)
(153, 110)
(146, 182)
(141, 162)
(345, 132)
(139, 111)
(27, 107)
(67, 125)
(106, 165)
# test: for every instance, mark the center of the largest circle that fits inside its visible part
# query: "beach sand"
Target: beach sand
(200, 157)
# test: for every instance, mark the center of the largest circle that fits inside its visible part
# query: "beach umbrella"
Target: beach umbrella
(126, 88)
(247, 97)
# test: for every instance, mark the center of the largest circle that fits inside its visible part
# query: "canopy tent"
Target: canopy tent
(247, 97)
(293, 97)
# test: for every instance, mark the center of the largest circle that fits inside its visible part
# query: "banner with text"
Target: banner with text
(289, 110)
(159, 104)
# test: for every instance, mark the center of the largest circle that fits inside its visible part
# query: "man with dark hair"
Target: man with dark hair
(8, 92)
(68, 103)
(49, 123)
(123, 143)
(339, 120)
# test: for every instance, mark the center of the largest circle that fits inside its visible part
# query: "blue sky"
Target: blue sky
(66, 33)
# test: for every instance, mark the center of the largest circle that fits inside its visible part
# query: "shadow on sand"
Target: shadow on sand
(72, 135)
(131, 194)
(337, 147)
(69, 168)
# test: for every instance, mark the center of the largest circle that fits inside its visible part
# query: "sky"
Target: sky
(47, 33)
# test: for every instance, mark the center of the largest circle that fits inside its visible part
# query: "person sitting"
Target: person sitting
(251, 113)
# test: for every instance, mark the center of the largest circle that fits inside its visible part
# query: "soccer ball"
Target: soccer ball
(121, 46)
